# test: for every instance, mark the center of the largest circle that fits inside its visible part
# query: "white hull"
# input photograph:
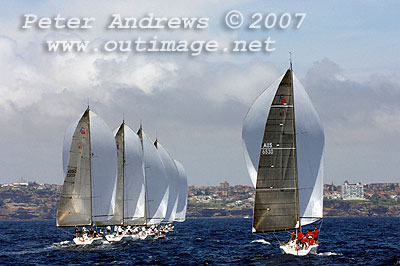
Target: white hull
(143, 236)
(292, 249)
(134, 237)
(114, 238)
(131, 236)
(85, 240)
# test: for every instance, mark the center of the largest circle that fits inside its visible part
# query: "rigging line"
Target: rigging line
(69, 233)
(277, 239)
(320, 225)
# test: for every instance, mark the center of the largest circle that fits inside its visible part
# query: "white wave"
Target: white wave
(262, 241)
(60, 244)
(329, 254)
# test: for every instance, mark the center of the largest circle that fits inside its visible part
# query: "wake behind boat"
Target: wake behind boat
(283, 147)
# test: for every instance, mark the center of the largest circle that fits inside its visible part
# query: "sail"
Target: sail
(281, 157)
(173, 181)
(129, 193)
(254, 126)
(74, 207)
(90, 173)
(180, 215)
(310, 148)
(118, 193)
(156, 182)
(103, 168)
(67, 144)
(134, 183)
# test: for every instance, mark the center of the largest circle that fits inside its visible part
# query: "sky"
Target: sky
(345, 54)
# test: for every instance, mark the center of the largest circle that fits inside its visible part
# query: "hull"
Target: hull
(114, 238)
(292, 249)
(85, 240)
(134, 237)
(143, 235)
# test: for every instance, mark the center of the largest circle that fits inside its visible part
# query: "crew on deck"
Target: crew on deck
(304, 241)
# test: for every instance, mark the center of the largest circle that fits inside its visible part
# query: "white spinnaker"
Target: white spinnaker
(134, 183)
(180, 215)
(156, 183)
(103, 168)
(173, 181)
(118, 193)
(254, 127)
(309, 151)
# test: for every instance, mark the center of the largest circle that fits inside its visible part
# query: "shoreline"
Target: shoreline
(215, 217)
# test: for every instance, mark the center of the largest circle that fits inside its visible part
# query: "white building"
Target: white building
(352, 191)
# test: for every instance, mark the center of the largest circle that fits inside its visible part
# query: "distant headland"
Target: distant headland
(33, 201)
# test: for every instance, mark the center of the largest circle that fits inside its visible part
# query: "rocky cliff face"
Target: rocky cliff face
(28, 203)
(341, 208)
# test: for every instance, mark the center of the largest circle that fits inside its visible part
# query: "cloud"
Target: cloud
(361, 120)
(195, 106)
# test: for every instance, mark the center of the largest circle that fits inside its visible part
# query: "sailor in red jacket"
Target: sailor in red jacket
(300, 237)
(293, 236)
(315, 234)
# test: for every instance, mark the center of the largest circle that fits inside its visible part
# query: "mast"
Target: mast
(295, 146)
(140, 134)
(123, 171)
(90, 167)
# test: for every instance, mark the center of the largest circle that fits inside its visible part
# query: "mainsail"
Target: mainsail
(130, 190)
(283, 146)
(173, 181)
(90, 168)
(180, 215)
(156, 182)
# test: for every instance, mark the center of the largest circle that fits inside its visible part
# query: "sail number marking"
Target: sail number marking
(71, 173)
(267, 149)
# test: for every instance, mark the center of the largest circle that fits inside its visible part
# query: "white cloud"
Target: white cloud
(196, 105)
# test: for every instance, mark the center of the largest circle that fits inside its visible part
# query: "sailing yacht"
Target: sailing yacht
(90, 170)
(283, 143)
(156, 182)
(130, 189)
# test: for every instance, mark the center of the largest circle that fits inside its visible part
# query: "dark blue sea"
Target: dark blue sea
(343, 241)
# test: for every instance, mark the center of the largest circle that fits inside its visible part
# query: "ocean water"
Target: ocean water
(343, 241)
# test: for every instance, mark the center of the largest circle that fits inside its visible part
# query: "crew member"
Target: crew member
(315, 234)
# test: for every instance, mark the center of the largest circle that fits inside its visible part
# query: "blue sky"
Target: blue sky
(345, 54)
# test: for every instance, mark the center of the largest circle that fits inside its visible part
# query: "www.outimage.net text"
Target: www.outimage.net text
(233, 20)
